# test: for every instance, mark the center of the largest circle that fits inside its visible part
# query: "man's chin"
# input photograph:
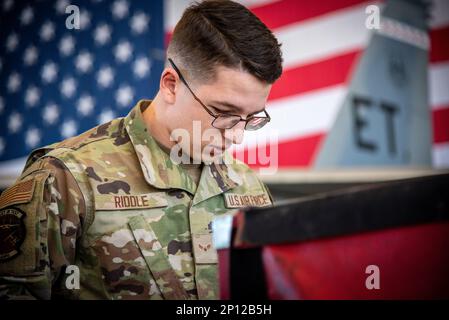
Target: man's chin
(212, 154)
(218, 151)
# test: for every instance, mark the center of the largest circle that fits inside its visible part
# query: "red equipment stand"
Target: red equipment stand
(379, 241)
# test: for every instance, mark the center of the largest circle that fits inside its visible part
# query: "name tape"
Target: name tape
(132, 201)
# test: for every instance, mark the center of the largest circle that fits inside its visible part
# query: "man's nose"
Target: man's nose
(236, 133)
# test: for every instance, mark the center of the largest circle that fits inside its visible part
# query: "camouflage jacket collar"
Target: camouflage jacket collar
(161, 172)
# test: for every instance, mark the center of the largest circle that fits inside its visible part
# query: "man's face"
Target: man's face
(232, 92)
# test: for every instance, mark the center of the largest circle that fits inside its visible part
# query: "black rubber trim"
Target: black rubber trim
(348, 211)
(246, 274)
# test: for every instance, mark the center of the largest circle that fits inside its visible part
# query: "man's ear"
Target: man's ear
(169, 85)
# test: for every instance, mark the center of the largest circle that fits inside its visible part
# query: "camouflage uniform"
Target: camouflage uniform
(111, 202)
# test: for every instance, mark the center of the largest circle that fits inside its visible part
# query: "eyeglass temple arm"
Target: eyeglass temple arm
(188, 87)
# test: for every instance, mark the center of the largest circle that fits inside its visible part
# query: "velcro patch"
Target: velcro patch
(17, 194)
(203, 249)
(20, 224)
(234, 200)
(12, 233)
(131, 201)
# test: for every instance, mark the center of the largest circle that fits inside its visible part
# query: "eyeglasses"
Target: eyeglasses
(227, 121)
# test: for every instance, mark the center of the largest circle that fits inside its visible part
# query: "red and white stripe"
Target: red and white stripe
(321, 41)
(439, 81)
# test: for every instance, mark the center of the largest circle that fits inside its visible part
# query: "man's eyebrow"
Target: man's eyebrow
(232, 107)
(227, 105)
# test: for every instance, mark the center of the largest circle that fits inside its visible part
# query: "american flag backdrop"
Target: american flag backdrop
(57, 82)
(321, 41)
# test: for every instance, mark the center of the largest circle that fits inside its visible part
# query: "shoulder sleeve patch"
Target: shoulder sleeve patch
(21, 212)
(17, 194)
(12, 232)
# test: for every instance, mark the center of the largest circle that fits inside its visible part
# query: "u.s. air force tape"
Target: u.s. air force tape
(234, 200)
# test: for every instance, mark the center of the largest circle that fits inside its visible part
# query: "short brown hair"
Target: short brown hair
(223, 32)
